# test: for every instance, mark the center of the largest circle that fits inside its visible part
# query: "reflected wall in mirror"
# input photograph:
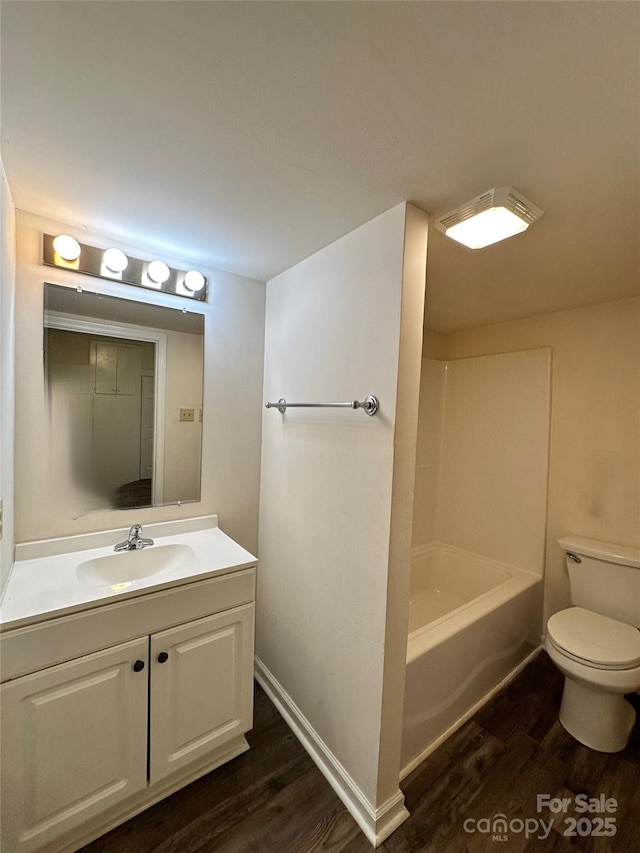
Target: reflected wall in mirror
(124, 387)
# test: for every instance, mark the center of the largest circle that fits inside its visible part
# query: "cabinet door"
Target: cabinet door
(74, 743)
(129, 370)
(202, 692)
(106, 359)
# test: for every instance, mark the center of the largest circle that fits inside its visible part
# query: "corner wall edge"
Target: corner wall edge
(377, 823)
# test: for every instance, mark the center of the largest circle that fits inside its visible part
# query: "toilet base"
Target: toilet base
(601, 721)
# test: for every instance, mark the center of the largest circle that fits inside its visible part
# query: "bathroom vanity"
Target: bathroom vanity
(118, 688)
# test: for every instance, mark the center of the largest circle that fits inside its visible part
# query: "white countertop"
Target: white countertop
(45, 587)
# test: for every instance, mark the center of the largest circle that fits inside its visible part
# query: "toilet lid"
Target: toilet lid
(594, 638)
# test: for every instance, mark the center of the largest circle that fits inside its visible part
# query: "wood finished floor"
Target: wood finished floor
(273, 799)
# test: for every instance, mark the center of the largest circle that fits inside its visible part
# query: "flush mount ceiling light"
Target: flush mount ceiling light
(117, 267)
(115, 260)
(493, 216)
(67, 247)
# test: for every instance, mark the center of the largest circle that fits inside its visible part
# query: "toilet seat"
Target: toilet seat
(594, 640)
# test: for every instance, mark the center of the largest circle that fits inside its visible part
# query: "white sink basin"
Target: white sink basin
(125, 567)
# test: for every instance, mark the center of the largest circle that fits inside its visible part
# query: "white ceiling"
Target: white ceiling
(246, 136)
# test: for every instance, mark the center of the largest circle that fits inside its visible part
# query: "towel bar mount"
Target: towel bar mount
(369, 405)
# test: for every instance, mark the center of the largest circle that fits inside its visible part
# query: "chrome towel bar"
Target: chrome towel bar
(369, 405)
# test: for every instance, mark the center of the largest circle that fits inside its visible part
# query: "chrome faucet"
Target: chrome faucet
(135, 540)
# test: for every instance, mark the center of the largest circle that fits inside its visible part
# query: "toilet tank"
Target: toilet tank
(604, 578)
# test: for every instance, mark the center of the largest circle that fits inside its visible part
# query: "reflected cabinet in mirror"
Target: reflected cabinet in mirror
(124, 389)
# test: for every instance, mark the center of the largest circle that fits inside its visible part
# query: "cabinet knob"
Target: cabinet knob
(163, 657)
(138, 666)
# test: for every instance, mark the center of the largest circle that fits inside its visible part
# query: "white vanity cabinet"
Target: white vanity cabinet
(74, 743)
(200, 694)
(89, 742)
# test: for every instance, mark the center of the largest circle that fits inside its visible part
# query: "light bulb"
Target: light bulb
(194, 280)
(158, 271)
(115, 260)
(67, 247)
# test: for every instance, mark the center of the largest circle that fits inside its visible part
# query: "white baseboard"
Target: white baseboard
(377, 823)
(417, 761)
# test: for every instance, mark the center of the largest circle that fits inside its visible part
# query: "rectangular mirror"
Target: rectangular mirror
(124, 385)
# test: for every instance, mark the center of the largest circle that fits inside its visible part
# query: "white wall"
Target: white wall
(234, 351)
(7, 378)
(594, 482)
(337, 490)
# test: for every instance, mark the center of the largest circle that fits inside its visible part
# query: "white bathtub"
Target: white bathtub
(472, 622)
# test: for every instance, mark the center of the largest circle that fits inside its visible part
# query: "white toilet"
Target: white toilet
(596, 644)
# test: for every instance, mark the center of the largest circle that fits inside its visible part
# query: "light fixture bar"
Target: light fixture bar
(99, 263)
(488, 218)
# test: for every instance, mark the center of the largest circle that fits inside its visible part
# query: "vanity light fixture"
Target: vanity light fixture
(493, 216)
(194, 280)
(114, 265)
(115, 260)
(67, 247)
(158, 272)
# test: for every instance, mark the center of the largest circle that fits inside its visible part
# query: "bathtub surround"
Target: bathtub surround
(428, 452)
(7, 374)
(594, 488)
(234, 352)
(482, 459)
(336, 503)
(478, 536)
